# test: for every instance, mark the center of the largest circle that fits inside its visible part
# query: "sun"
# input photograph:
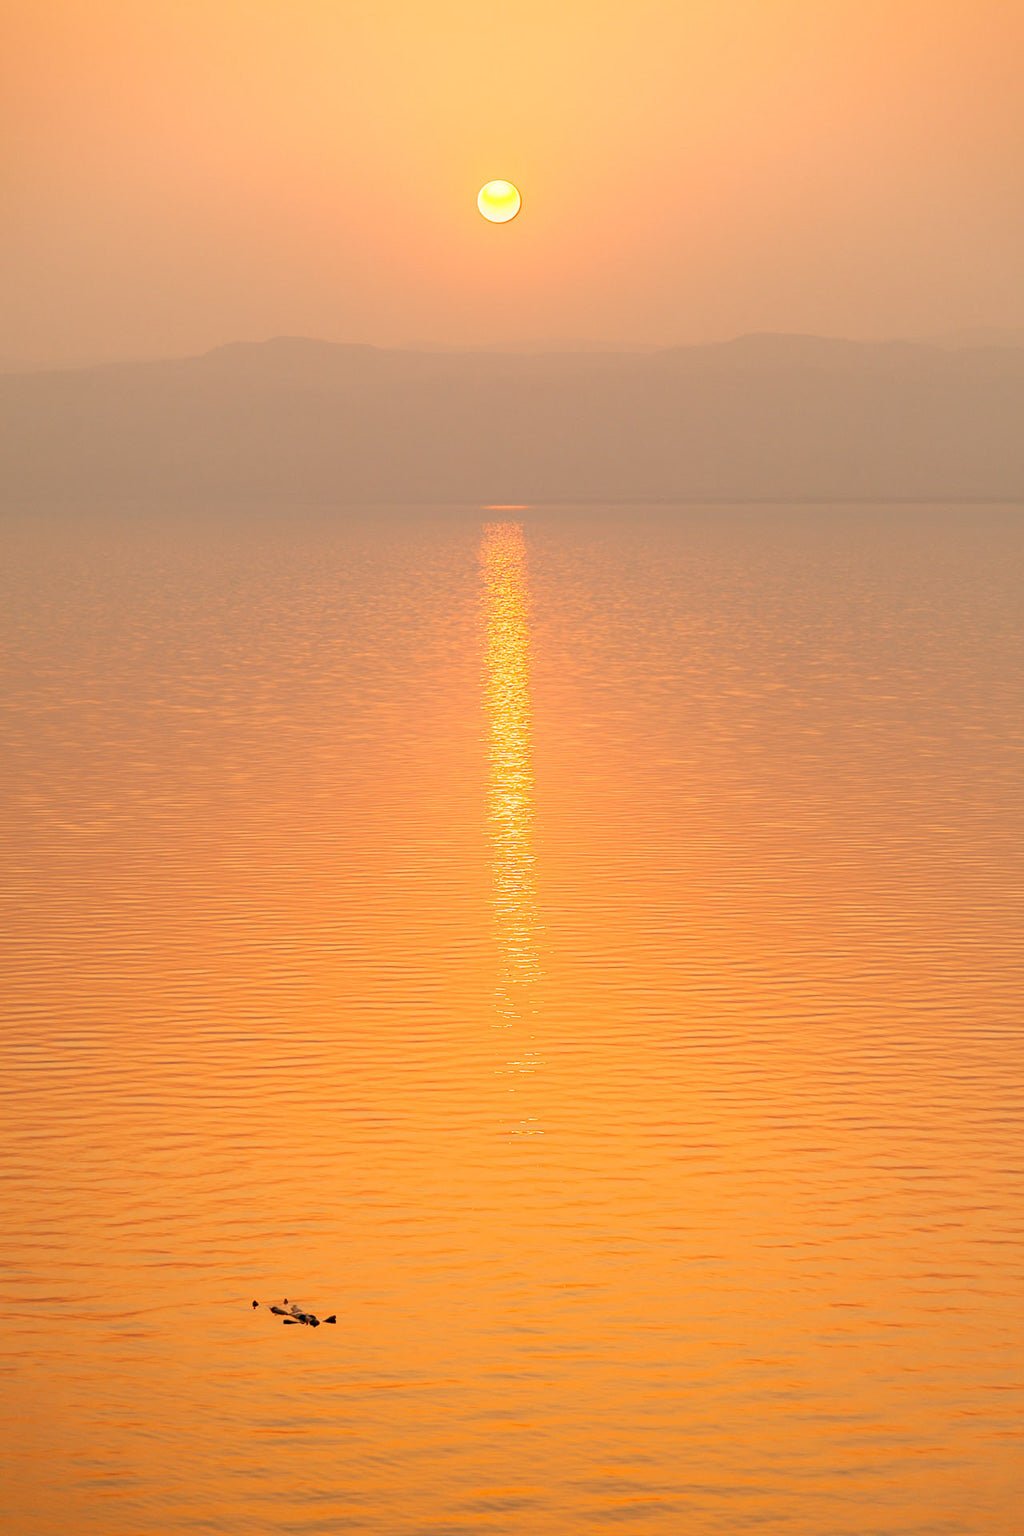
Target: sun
(499, 201)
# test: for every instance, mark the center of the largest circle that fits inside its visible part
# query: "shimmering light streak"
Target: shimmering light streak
(510, 786)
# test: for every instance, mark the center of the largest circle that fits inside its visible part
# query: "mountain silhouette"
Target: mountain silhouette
(764, 417)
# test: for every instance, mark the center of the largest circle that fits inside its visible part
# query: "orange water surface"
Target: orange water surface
(580, 948)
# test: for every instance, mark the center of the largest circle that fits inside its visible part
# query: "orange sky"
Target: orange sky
(179, 173)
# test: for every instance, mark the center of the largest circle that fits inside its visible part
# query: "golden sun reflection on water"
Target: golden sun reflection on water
(510, 782)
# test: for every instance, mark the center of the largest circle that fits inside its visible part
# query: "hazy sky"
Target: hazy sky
(180, 173)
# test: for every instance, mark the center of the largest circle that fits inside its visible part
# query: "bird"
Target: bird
(291, 1313)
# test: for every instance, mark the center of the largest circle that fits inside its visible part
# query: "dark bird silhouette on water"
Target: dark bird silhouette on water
(291, 1314)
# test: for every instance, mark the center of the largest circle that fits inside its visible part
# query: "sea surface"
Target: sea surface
(581, 948)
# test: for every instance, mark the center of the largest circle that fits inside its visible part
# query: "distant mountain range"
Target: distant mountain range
(765, 417)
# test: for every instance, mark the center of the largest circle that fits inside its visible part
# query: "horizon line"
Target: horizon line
(966, 340)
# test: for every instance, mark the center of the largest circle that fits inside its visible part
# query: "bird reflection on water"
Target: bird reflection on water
(510, 783)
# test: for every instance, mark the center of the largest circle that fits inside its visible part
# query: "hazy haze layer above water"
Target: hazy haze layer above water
(579, 948)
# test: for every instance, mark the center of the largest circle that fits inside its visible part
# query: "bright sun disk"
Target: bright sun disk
(499, 201)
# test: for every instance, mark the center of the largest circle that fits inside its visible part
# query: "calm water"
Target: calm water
(581, 949)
